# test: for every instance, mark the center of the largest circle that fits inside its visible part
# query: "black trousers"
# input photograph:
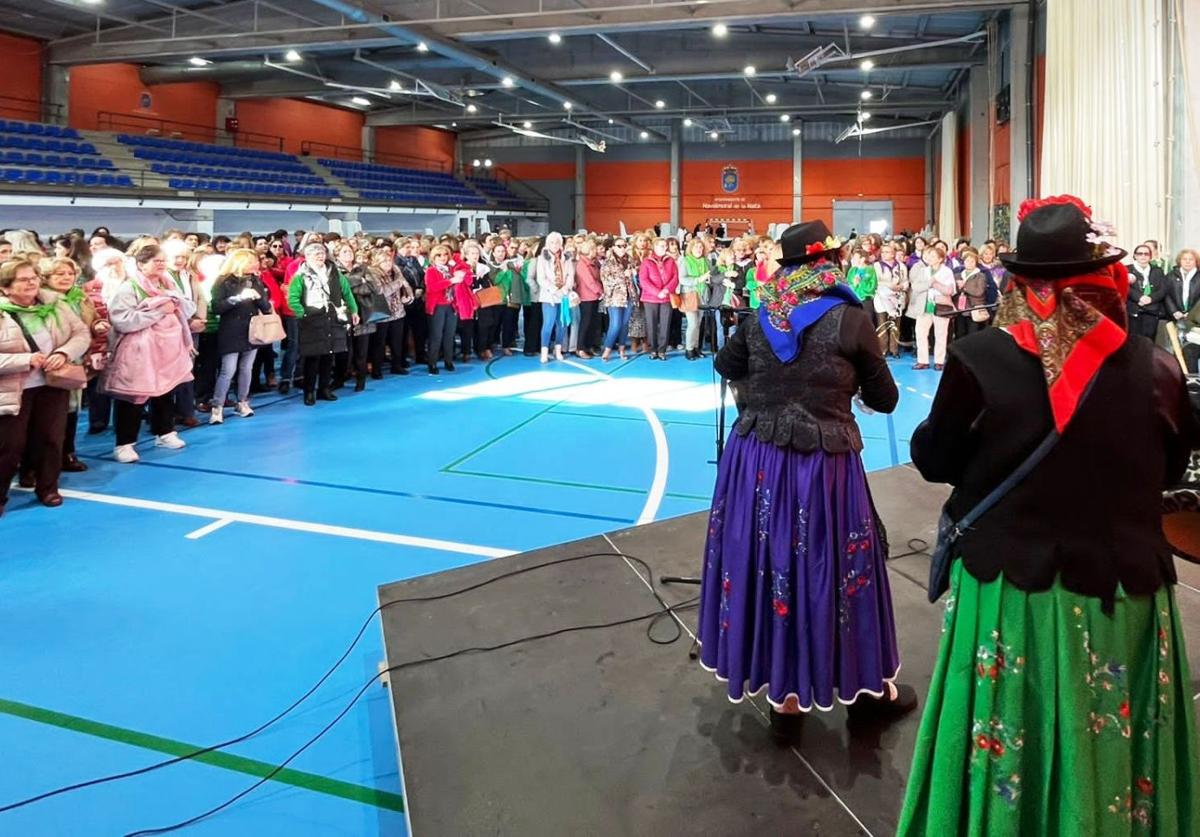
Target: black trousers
(208, 363)
(264, 360)
(675, 332)
(708, 330)
(99, 406)
(36, 432)
(589, 315)
(129, 417)
(354, 360)
(466, 337)
(658, 324)
(510, 323)
(318, 372)
(487, 325)
(442, 324)
(532, 328)
(389, 335)
(416, 326)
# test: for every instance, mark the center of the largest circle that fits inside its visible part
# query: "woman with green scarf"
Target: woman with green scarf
(38, 334)
(503, 270)
(694, 271)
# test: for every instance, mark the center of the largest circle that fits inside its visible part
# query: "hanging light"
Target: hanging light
(867, 65)
(720, 30)
(749, 70)
(567, 106)
(395, 85)
(526, 124)
(864, 116)
(795, 132)
(687, 123)
(472, 109)
(197, 61)
(713, 134)
(660, 104)
(554, 38)
(487, 163)
(476, 163)
(359, 100)
(866, 22)
(507, 81)
(616, 77)
(422, 47)
(865, 95)
(644, 135)
(771, 98)
(783, 117)
(291, 55)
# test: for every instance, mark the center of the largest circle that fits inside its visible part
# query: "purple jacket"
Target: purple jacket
(656, 276)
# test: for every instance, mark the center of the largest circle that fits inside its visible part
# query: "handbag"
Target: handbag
(72, 376)
(266, 329)
(676, 301)
(489, 297)
(980, 315)
(950, 530)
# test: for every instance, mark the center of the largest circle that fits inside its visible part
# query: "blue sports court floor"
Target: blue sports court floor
(187, 599)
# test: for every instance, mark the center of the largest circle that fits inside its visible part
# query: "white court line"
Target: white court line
(658, 486)
(285, 523)
(209, 529)
(757, 708)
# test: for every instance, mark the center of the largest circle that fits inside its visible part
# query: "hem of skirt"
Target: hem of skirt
(814, 705)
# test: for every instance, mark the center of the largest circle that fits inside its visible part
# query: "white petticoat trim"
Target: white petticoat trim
(814, 705)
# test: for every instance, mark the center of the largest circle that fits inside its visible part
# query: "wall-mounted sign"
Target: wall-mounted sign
(144, 101)
(729, 178)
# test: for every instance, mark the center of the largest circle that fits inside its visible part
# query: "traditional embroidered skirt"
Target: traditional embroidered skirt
(795, 595)
(1047, 716)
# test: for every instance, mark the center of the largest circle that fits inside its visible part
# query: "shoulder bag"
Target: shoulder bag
(72, 376)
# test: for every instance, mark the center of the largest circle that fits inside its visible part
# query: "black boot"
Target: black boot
(433, 370)
(449, 366)
(360, 383)
(310, 398)
(326, 395)
(868, 709)
(285, 387)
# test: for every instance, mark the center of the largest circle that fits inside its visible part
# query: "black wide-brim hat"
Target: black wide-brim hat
(1052, 243)
(797, 240)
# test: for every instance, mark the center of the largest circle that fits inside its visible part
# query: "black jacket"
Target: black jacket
(805, 404)
(1090, 511)
(233, 327)
(1160, 290)
(1175, 300)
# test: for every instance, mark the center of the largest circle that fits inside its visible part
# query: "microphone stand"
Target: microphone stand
(739, 314)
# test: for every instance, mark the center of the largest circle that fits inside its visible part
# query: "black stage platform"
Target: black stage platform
(605, 733)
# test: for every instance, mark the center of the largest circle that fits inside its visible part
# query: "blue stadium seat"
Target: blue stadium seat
(33, 176)
(12, 175)
(52, 178)
(89, 179)
(123, 180)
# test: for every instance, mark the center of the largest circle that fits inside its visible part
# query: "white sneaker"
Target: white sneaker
(545, 355)
(217, 416)
(125, 454)
(171, 440)
(243, 409)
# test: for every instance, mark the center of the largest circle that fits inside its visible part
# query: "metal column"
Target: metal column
(580, 187)
(1021, 131)
(676, 153)
(798, 173)
(979, 112)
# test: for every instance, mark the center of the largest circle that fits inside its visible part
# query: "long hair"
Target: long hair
(238, 264)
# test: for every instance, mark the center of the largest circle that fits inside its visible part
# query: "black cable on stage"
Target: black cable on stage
(656, 617)
(916, 546)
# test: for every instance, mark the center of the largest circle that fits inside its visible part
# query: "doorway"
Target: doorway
(862, 217)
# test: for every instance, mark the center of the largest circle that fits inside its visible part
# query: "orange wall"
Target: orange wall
(297, 121)
(116, 88)
(900, 180)
(767, 183)
(540, 171)
(415, 141)
(963, 173)
(637, 193)
(1002, 164)
(22, 76)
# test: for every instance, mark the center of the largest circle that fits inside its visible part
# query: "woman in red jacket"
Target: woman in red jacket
(589, 288)
(659, 278)
(442, 283)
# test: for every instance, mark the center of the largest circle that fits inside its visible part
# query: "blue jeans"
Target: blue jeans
(291, 349)
(244, 363)
(550, 322)
(618, 325)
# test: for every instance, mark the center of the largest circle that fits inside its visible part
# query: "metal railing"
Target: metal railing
(31, 110)
(312, 148)
(127, 123)
(524, 192)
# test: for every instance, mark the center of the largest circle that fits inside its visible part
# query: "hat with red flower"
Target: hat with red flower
(1058, 239)
(806, 242)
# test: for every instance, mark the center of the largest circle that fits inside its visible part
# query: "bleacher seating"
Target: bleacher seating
(36, 154)
(158, 150)
(377, 182)
(187, 184)
(499, 194)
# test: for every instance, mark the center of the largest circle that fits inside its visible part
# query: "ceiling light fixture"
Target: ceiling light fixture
(783, 117)
(507, 81)
(472, 109)
(567, 106)
(611, 121)
(771, 98)
(687, 123)
(660, 104)
(422, 47)
(864, 116)
(359, 100)
(291, 55)
(720, 30)
(866, 22)
(555, 38)
(750, 70)
(616, 77)
(644, 135)
(867, 65)
(487, 163)
(527, 125)
(197, 61)
(795, 132)
(865, 95)
(476, 163)
(395, 85)
(713, 134)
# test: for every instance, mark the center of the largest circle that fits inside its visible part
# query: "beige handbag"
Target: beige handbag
(266, 329)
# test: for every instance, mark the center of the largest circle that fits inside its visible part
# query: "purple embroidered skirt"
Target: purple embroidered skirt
(795, 596)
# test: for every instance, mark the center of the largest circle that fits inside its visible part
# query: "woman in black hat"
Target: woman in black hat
(1061, 701)
(795, 597)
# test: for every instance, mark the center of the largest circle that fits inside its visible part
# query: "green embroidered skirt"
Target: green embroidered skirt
(1046, 716)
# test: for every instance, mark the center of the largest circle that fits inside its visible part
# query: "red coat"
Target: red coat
(655, 276)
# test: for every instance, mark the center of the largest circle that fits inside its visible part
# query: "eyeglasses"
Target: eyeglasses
(620, 246)
(1141, 252)
(277, 246)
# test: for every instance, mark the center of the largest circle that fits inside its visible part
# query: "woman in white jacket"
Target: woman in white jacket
(555, 281)
(891, 284)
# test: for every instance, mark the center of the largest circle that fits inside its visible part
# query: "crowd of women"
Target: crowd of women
(176, 329)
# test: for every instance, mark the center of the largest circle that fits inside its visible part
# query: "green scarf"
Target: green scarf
(75, 297)
(696, 266)
(39, 313)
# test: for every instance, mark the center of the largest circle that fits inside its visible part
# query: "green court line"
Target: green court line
(710, 425)
(576, 484)
(226, 761)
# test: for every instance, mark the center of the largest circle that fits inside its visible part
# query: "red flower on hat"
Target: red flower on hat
(1145, 786)
(814, 248)
(1029, 206)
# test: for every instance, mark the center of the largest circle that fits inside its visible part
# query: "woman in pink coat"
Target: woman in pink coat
(659, 278)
